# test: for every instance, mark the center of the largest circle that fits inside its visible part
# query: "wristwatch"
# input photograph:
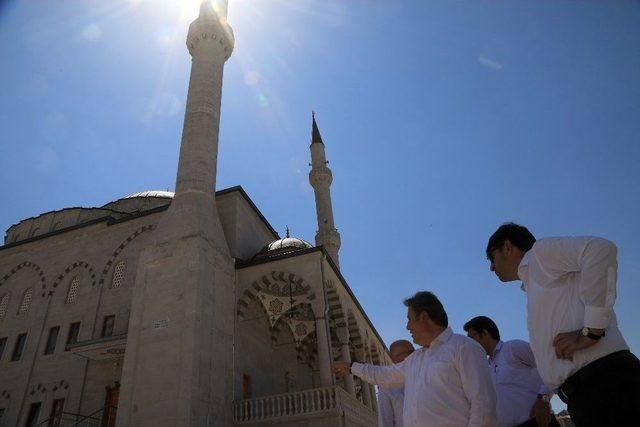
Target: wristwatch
(586, 332)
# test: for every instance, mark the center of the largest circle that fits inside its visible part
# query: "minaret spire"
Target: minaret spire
(320, 178)
(316, 138)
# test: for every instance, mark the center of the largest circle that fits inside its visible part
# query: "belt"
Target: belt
(585, 376)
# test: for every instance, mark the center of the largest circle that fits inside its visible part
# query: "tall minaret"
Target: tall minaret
(320, 178)
(178, 364)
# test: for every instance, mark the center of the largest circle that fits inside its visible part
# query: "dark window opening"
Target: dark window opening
(72, 335)
(107, 325)
(34, 413)
(246, 386)
(19, 347)
(3, 345)
(52, 340)
(56, 413)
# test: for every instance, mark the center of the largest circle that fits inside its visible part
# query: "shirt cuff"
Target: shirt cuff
(597, 317)
(545, 390)
(356, 368)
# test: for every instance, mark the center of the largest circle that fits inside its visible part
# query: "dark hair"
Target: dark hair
(518, 235)
(483, 323)
(429, 303)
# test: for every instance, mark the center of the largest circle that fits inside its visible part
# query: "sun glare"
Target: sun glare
(184, 9)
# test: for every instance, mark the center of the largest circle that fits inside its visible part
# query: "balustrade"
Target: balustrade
(305, 402)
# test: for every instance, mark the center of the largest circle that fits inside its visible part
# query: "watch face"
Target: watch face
(584, 332)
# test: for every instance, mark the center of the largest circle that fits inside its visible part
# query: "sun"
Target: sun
(185, 10)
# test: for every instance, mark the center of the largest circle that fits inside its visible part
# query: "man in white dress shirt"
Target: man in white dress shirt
(446, 382)
(571, 289)
(523, 399)
(391, 399)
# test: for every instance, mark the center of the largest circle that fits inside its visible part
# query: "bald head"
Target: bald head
(399, 350)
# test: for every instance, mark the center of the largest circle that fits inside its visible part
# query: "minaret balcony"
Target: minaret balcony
(320, 177)
(209, 33)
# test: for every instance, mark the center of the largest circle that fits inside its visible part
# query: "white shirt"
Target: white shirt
(570, 283)
(447, 384)
(390, 404)
(517, 381)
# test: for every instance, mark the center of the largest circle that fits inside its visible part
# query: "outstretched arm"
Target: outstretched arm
(392, 375)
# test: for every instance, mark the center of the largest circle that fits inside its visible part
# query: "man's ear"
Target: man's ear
(507, 247)
(423, 316)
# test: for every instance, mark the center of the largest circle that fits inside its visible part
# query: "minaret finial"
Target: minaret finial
(287, 232)
(211, 7)
(315, 132)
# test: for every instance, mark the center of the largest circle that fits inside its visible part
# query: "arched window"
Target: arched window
(73, 290)
(34, 232)
(118, 275)
(26, 301)
(4, 303)
(56, 226)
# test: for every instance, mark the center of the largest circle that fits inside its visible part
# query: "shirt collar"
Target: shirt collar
(443, 337)
(523, 270)
(496, 350)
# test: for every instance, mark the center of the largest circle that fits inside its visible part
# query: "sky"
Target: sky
(442, 119)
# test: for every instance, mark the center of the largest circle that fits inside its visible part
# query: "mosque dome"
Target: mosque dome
(286, 243)
(151, 193)
(283, 246)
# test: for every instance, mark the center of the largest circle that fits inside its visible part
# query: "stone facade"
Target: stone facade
(269, 359)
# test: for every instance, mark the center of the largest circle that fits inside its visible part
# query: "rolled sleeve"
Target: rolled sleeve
(595, 259)
(392, 375)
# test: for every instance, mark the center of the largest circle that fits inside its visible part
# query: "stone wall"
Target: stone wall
(49, 267)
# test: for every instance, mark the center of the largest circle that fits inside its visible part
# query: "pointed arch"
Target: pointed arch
(120, 248)
(29, 265)
(272, 290)
(72, 267)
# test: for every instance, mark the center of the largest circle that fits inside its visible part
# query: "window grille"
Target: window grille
(118, 275)
(4, 302)
(73, 290)
(26, 301)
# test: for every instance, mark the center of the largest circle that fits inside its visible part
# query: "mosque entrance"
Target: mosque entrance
(113, 394)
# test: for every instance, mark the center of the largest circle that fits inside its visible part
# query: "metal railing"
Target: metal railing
(70, 419)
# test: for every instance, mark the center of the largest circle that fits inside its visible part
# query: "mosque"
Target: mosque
(186, 308)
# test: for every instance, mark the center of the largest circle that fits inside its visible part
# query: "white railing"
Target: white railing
(286, 405)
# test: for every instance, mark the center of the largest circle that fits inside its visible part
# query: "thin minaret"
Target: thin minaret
(320, 178)
(178, 364)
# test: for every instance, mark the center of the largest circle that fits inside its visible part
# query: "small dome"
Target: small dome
(151, 193)
(287, 242)
(283, 246)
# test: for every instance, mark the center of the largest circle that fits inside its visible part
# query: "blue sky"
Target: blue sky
(442, 119)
